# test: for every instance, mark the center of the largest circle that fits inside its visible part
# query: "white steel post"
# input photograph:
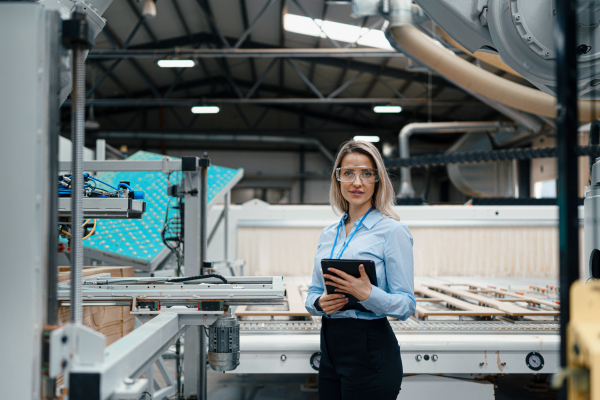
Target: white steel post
(192, 268)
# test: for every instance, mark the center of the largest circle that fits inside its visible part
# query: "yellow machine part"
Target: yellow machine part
(583, 341)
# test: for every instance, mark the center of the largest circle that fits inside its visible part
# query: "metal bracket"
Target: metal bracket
(77, 31)
(130, 389)
(74, 344)
(165, 168)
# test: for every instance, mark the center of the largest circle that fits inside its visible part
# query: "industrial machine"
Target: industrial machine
(520, 32)
(583, 345)
(50, 42)
(485, 330)
(200, 305)
(592, 236)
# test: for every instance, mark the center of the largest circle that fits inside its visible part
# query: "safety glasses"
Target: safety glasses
(348, 174)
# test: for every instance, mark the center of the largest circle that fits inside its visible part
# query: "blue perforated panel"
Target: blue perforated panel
(140, 239)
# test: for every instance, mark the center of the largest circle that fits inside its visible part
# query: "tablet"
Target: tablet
(351, 268)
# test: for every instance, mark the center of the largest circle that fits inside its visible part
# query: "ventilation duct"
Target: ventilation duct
(406, 188)
(489, 179)
(421, 47)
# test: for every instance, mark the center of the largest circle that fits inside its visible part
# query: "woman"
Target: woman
(360, 356)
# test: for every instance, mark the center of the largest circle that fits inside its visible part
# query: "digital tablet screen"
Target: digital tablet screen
(351, 268)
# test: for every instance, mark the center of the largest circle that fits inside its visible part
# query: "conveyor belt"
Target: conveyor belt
(474, 345)
(485, 327)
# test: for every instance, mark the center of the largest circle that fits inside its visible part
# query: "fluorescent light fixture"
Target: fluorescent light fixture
(336, 31)
(205, 109)
(175, 63)
(372, 139)
(387, 109)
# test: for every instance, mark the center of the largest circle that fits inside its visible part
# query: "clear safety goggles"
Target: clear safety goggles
(348, 174)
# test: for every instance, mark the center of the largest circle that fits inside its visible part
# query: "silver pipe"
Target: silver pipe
(191, 102)
(515, 176)
(53, 21)
(244, 53)
(77, 136)
(203, 193)
(199, 137)
(203, 220)
(406, 188)
(528, 121)
(226, 202)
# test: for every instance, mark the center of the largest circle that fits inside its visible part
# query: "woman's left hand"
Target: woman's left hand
(357, 287)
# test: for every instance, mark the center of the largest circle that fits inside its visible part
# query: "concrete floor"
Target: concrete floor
(233, 386)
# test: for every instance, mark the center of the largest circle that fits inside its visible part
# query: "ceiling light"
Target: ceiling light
(176, 63)
(336, 31)
(387, 109)
(149, 9)
(205, 109)
(372, 139)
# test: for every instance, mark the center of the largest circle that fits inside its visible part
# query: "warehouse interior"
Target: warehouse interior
(204, 134)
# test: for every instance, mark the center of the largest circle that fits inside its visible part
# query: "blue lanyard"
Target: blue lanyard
(351, 236)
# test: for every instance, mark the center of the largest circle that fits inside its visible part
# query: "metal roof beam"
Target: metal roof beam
(306, 13)
(344, 86)
(205, 6)
(339, 62)
(245, 53)
(245, 21)
(188, 102)
(249, 29)
(304, 79)
(181, 18)
(143, 20)
(261, 79)
(114, 38)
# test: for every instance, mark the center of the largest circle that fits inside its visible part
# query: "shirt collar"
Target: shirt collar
(373, 217)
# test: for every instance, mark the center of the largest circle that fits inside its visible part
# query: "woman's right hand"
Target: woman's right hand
(331, 303)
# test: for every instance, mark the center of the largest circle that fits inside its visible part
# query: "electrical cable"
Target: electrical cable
(84, 224)
(193, 278)
(91, 188)
(171, 234)
(92, 231)
(157, 281)
(98, 180)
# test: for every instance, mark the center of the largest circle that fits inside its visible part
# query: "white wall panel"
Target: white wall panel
(461, 241)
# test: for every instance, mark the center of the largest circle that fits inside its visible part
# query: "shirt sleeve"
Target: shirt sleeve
(316, 287)
(398, 257)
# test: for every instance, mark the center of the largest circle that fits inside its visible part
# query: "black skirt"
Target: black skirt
(360, 359)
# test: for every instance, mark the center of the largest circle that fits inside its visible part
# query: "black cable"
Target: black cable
(193, 278)
(493, 155)
(143, 396)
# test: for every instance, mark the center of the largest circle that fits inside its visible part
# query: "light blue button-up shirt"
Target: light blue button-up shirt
(389, 244)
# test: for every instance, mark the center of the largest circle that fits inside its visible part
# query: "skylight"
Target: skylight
(336, 31)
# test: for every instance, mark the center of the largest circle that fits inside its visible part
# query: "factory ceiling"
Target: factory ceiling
(266, 78)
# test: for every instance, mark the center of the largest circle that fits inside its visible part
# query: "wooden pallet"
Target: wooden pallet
(511, 310)
(112, 322)
(294, 287)
(514, 297)
(456, 307)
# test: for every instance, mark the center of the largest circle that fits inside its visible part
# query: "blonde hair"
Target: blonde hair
(383, 197)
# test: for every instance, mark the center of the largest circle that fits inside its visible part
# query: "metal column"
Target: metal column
(51, 319)
(78, 139)
(226, 203)
(191, 251)
(77, 35)
(204, 163)
(568, 228)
